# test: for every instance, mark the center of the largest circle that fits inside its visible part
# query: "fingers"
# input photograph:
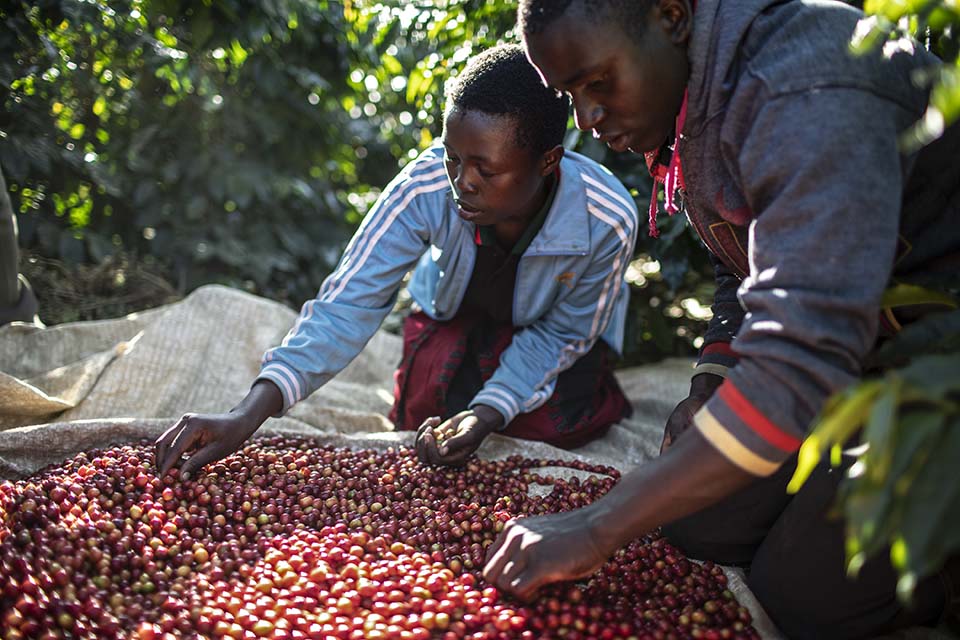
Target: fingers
(455, 459)
(163, 460)
(427, 451)
(430, 449)
(420, 443)
(502, 552)
(200, 458)
(677, 423)
(183, 441)
(463, 437)
(429, 423)
(511, 567)
(525, 582)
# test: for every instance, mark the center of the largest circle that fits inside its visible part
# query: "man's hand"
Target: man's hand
(532, 552)
(452, 442)
(701, 389)
(207, 438)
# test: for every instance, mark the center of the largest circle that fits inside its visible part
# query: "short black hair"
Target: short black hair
(501, 81)
(534, 16)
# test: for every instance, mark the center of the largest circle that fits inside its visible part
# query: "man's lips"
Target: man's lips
(616, 141)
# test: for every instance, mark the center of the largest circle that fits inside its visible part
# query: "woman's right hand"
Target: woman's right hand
(206, 438)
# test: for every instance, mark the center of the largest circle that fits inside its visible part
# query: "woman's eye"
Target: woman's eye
(450, 159)
(485, 174)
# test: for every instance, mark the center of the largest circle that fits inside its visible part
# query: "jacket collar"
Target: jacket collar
(566, 231)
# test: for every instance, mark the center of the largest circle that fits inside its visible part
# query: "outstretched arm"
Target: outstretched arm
(533, 552)
(332, 328)
(206, 438)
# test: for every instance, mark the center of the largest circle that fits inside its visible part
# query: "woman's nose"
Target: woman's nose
(462, 181)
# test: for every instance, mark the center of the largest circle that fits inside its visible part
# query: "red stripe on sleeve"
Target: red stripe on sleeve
(722, 348)
(752, 417)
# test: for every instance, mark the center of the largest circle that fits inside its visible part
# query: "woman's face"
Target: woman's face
(626, 89)
(494, 178)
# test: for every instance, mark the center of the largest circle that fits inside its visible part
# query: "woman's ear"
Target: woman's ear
(551, 160)
(676, 19)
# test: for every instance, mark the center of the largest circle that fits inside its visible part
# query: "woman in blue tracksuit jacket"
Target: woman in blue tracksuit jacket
(519, 251)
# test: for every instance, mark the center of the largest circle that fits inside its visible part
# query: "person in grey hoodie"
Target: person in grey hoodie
(782, 149)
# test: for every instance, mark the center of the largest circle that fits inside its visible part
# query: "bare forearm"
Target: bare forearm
(262, 401)
(490, 417)
(690, 476)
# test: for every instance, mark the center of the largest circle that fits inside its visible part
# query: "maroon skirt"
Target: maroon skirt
(445, 364)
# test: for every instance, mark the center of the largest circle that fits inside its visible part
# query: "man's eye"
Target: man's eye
(596, 85)
(485, 174)
(451, 159)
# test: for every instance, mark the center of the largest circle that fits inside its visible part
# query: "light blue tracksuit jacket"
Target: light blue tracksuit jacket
(569, 290)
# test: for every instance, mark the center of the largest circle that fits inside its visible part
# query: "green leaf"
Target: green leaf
(414, 82)
(934, 497)
(934, 333)
(934, 375)
(391, 65)
(879, 431)
(834, 427)
(902, 295)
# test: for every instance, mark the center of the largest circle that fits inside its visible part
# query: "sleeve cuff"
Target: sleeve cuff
(718, 353)
(500, 400)
(291, 389)
(746, 437)
(709, 367)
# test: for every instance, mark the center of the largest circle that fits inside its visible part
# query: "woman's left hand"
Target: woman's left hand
(451, 442)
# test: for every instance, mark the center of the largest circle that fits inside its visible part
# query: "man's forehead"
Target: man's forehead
(560, 52)
(562, 72)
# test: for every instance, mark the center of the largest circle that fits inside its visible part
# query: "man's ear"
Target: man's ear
(676, 18)
(551, 160)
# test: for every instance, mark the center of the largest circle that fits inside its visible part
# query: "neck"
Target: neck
(510, 230)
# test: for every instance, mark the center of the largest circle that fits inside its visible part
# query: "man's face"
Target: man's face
(494, 179)
(628, 91)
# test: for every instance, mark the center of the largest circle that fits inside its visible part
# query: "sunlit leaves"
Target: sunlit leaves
(901, 494)
(935, 21)
(229, 128)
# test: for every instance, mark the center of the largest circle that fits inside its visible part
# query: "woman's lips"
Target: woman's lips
(467, 211)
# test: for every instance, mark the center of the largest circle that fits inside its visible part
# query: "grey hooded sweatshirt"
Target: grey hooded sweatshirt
(795, 182)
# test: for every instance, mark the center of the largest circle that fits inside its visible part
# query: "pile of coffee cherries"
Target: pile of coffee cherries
(288, 539)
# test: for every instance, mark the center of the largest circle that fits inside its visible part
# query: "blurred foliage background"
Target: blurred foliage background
(181, 142)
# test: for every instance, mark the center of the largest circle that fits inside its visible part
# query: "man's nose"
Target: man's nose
(587, 114)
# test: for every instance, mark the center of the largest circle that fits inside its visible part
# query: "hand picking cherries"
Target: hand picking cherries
(288, 539)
